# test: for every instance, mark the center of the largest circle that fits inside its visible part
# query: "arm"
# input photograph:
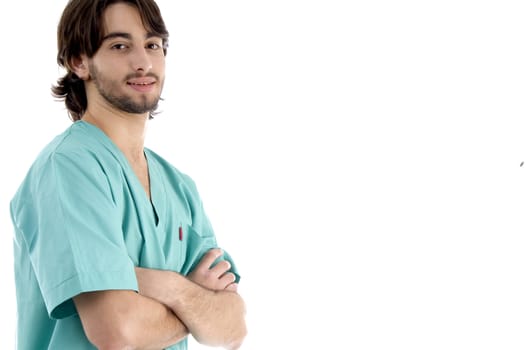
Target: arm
(206, 301)
(123, 319)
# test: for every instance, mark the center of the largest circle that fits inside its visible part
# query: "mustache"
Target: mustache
(139, 75)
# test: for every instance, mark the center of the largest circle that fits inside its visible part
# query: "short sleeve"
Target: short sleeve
(201, 236)
(73, 232)
(198, 245)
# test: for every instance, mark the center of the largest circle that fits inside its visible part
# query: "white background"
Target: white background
(359, 159)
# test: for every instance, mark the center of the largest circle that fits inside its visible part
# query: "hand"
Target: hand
(214, 278)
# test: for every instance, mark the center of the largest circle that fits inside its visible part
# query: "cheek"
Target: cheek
(160, 64)
(107, 65)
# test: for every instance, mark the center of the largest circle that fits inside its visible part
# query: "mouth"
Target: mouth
(143, 84)
(140, 84)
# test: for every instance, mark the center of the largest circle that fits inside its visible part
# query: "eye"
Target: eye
(154, 46)
(119, 46)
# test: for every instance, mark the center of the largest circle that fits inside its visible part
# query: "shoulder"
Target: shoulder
(73, 155)
(78, 142)
(82, 145)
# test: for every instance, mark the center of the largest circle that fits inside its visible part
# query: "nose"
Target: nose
(140, 60)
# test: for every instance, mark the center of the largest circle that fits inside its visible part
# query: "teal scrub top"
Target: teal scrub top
(83, 221)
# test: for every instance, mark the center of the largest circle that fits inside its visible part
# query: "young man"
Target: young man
(113, 249)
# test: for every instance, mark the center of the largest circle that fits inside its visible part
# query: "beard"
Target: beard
(108, 89)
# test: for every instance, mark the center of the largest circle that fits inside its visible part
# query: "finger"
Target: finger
(209, 258)
(220, 268)
(232, 287)
(227, 278)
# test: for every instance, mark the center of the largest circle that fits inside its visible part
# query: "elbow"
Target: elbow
(231, 342)
(239, 333)
(230, 337)
(110, 344)
(114, 347)
(112, 338)
(238, 339)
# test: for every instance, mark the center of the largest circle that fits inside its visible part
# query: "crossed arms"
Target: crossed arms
(167, 308)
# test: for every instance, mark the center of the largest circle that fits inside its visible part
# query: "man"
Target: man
(113, 249)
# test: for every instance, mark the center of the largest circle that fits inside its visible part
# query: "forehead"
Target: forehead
(122, 18)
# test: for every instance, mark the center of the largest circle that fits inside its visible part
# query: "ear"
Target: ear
(79, 66)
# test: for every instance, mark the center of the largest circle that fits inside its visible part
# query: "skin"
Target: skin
(206, 302)
(124, 80)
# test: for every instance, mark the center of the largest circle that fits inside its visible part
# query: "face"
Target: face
(127, 72)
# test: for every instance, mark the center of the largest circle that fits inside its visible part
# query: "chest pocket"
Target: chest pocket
(175, 246)
(164, 247)
(196, 247)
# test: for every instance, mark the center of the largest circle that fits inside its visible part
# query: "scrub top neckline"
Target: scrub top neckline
(155, 192)
(157, 188)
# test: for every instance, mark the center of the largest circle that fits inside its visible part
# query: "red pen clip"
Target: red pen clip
(180, 233)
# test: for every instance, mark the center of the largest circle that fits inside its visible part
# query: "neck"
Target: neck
(127, 131)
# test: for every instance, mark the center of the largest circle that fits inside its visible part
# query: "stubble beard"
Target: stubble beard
(122, 102)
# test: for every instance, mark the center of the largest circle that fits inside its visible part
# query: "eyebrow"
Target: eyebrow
(127, 36)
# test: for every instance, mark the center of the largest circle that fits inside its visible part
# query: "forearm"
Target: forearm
(125, 319)
(158, 327)
(214, 318)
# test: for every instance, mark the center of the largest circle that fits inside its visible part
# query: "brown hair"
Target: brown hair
(80, 32)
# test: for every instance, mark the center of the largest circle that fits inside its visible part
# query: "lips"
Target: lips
(143, 84)
(141, 81)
